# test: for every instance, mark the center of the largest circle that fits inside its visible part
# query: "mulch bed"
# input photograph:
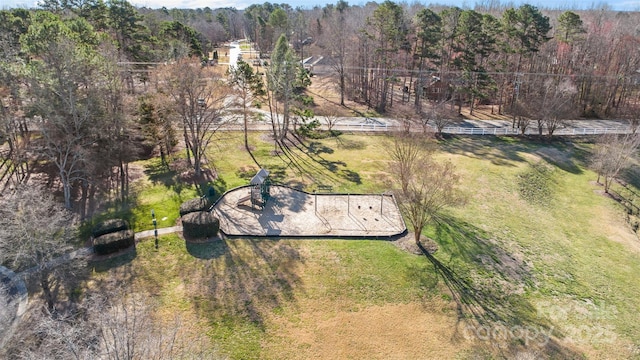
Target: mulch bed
(408, 243)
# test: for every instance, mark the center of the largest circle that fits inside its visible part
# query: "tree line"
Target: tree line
(538, 66)
(69, 73)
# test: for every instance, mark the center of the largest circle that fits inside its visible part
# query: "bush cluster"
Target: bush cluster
(200, 224)
(194, 205)
(109, 226)
(112, 242)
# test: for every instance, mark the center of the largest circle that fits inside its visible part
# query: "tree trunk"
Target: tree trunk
(540, 127)
(66, 189)
(342, 86)
(163, 156)
(197, 160)
(123, 187)
(245, 120)
(46, 290)
(84, 199)
(187, 145)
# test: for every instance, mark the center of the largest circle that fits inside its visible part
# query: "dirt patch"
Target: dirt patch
(393, 331)
(484, 112)
(326, 98)
(408, 243)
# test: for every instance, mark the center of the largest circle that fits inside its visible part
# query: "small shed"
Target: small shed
(260, 187)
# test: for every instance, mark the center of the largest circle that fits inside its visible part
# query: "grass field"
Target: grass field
(537, 264)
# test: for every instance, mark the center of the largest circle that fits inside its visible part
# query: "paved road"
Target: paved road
(234, 53)
(477, 127)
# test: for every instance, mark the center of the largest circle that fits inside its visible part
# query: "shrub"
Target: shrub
(109, 226)
(200, 224)
(112, 242)
(193, 205)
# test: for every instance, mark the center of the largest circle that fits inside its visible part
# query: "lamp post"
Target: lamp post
(155, 226)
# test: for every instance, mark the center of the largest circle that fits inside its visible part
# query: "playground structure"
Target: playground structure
(259, 190)
(295, 213)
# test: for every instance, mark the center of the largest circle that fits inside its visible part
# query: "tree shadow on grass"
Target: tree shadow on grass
(105, 263)
(307, 159)
(251, 278)
(507, 150)
(206, 250)
(216, 188)
(179, 175)
(566, 155)
(317, 148)
(351, 176)
(487, 283)
(471, 248)
(161, 173)
(632, 176)
(499, 150)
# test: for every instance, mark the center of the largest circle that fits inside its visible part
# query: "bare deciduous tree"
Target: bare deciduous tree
(59, 335)
(408, 115)
(154, 115)
(34, 230)
(613, 154)
(331, 121)
(13, 130)
(549, 104)
(335, 39)
(121, 325)
(126, 328)
(521, 119)
(117, 147)
(424, 186)
(199, 97)
(440, 114)
(631, 113)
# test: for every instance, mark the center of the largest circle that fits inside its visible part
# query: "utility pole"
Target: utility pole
(516, 87)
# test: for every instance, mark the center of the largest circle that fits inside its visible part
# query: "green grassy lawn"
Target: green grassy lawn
(575, 255)
(348, 163)
(239, 286)
(537, 247)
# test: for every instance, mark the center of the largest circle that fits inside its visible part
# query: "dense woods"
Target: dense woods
(88, 86)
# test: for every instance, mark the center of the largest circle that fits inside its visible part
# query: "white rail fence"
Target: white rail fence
(488, 130)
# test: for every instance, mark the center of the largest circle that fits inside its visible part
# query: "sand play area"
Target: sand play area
(294, 213)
